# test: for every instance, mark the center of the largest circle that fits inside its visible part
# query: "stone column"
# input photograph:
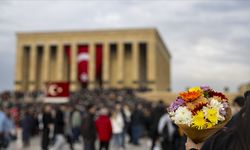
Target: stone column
(135, 66)
(46, 64)
(151, 65)
(19, 68)
(106, 66)
(32, 69)
(73, 68)
(59, 62)
(120, 72)
(91, 67)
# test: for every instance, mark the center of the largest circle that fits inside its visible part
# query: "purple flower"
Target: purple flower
(225, 105)
(205, 87)
(223, 110)
(176, 104)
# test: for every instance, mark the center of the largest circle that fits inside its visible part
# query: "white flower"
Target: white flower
(183, 116)
(218, 106)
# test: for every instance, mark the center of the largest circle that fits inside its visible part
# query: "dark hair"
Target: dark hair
(237, 137)
(240, 101)
(247, 93)
(240, 134)
(242, 126)
(89, 106)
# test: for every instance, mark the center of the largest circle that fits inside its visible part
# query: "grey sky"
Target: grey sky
(209, 41)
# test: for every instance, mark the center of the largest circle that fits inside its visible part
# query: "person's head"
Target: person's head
(118, 106)
(126, 106)
(160, 102)
(62, 107)
(104, 111)
(91, 108)
(247, 93)
(238, 103)
(139, 106)
(47, 108)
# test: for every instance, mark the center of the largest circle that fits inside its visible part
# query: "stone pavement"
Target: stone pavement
(35, 145)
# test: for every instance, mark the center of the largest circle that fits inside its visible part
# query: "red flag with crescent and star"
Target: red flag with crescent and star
(57, 92)
(82, 60)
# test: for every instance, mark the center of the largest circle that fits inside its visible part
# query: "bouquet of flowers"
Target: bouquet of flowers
(200, 112)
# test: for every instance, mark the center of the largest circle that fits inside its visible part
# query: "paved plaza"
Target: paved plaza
(35, 145)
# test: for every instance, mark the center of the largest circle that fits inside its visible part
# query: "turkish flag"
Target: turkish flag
(98, 62)
(82, 60)
(57, 92)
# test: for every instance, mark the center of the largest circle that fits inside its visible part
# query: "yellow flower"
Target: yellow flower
(195, 89)
(211, 115)
(199, 120)
(209, 125)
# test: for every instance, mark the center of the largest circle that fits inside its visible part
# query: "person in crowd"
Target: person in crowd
(76, 122)
(68, 126)
(117, 126)
(10, 128)
(104, 129)
(137, 122)
(26, 124)
(157, 112)
(3, 129)
(59, 126)
(88, 128)
(47, 124)
(179, 138)
(238, 103)
(34, 123)
(126, 113)
(235, 138)
(166, 131)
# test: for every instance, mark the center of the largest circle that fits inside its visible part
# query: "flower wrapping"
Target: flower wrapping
(200, 112)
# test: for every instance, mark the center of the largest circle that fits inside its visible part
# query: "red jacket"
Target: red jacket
(104, 128)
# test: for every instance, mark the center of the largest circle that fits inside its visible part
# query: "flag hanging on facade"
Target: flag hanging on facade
(82, 60)
(57, 92)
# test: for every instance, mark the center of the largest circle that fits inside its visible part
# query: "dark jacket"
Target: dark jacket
(59, 122)
(156, 114)
(233, 121)
(137, 118)
(47, 119)
(224, 140)
(88, 127)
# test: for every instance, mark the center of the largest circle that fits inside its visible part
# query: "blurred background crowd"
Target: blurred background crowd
(95, 119)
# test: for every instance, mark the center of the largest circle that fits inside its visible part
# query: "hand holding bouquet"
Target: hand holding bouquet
(200, 112)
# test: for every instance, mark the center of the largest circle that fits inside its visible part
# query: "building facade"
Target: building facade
(127, 58)
(244, 87)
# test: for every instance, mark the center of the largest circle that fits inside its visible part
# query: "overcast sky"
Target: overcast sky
(209, 41)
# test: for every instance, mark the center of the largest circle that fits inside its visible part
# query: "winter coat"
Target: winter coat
(104, 128)
(88, 127)
(59, 122)
(117, 123)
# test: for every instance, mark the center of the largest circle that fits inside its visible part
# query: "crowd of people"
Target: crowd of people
(105, 117)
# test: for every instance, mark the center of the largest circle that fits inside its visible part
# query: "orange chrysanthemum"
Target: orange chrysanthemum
(196, 105)
(190, 96)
